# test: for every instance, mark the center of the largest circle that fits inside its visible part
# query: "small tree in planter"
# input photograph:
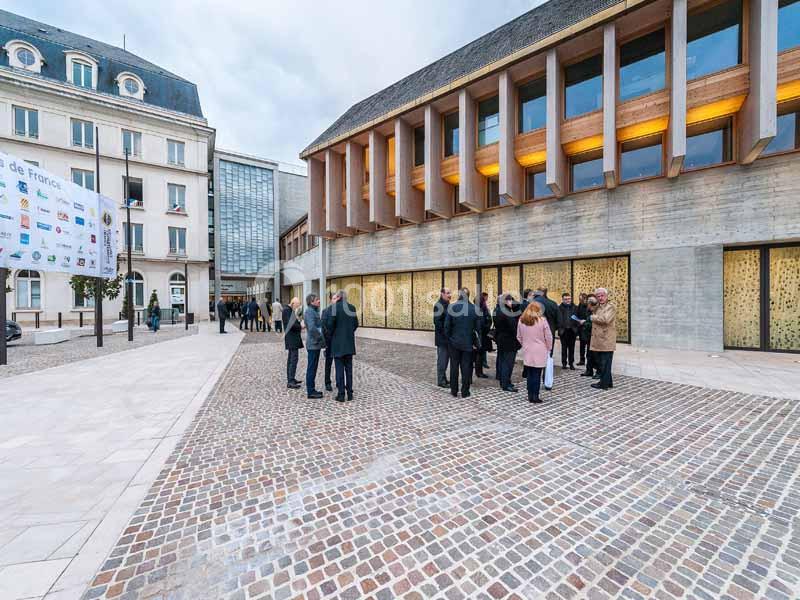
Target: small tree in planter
(153, 300)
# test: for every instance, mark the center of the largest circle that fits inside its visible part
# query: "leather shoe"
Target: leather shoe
(465, 394)
(581, 364)
(535, 399)
(444, 385)
(510, 388)
(483, 376)
(572, 367)
(350, 396)
(599, 386)
(315, 394)
(586, 374)
(454, 394)
(293, 386)
(340, 398)
(595, 376)
(328, 387)
(295, 381)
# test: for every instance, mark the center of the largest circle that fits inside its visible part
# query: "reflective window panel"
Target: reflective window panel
(642, 66)
(714, 39)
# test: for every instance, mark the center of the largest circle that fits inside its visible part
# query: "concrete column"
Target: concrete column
(438, 193)
(676, 134)
(471, 184)
(759, 115)
(323, 271)
(381, 204)
(556, 161)
(316, 197)
(610, 105)
(357, 209)
(409, 201)
(511, 173)
(335, 213)
(694, 277)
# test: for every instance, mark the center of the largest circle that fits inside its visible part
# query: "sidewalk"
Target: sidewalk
(762, 373)
(80, 444)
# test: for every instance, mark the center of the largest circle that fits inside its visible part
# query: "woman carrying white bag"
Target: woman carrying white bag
(533, 332)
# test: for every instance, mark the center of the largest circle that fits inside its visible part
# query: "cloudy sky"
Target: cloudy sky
(273, 74)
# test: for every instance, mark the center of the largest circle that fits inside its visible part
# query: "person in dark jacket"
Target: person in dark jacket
(505, 325)
(252, 312)
(586, 331)
(461, 328)
(292, 341)
(484, 328)
(332, 298)
(442, 354)
(567, 331)
(550, 313)
(582, 312)
(155, 316)
(342, 323)
(315, 342)
(222, 314)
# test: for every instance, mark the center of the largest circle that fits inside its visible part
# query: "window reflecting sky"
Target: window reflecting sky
(787, 136)
(705, 150)
(583, 84)
(642, 66)
(533, 105)
(587, 174)
(713, 40)
(537, 188)
(641, 162)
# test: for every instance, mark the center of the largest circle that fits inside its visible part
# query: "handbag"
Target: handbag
(548, 374)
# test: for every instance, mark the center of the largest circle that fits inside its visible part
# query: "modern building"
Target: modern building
(61, 96)
(647, 146)
(249, 198)
(301, 262)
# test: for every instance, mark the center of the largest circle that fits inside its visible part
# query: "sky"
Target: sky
(273, 74)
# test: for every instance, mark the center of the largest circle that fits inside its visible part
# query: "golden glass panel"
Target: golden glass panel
(509, 277)
(398, 300)
(352, 287)
(555, 276)
(741, 298)
(374, 308)
(426, 292)
(469, 280)
(490, 284)
(784, 298)
(333, 285)
(612, 274)
(451, 281)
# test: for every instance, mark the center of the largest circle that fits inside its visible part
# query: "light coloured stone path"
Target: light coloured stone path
(79, 446)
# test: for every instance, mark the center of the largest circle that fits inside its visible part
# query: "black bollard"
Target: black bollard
(80, 319)
(59, 320)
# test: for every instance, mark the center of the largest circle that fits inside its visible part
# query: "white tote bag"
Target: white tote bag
(548, 374)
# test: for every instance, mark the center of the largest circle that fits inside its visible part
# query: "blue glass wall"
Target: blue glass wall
(246, 218)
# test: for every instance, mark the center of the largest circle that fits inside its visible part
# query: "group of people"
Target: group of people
(263, 316)
(464, 332)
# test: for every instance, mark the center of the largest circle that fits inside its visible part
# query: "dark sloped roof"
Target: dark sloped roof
(164, 89)
(527, 29)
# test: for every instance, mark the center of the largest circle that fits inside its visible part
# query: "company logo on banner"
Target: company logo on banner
(36, 210)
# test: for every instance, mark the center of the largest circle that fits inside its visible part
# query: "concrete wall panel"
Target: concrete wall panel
(676, 134)
(381, 204)
(438, 193)
(335, 212)
(357, 208)
(511, 182)
(556, 161)
(409, 201)
(610, 105)
(472, 185)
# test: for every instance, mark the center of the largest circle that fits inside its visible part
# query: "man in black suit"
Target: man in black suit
(332, 298)
(222, 314)
(292, 341)
(567, 331)
(461, 328)
(342, 323)
(442, 354)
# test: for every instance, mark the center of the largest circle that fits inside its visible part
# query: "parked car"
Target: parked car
(13, 331)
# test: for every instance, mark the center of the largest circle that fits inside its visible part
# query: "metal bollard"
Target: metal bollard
(13, 316)
(173, 316)
(36, 317)
(138, 318)
(80, 319)
(59, 320)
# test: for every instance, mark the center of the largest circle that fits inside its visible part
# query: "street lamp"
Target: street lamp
(186, 294)
(129, 276)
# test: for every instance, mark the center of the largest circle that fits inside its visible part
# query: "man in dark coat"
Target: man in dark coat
(342, 323)
(315, 342)
(505, 325)
(222, 314)
(582, 312)
(252, 312)
(292, 341)
(332, 298)
(442, 354)
(461, 328)
(567, 331)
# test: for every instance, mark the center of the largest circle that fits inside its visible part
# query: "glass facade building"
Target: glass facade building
(246, 219)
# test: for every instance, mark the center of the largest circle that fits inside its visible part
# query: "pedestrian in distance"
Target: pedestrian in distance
(277, 316)
(484, 327)
(252, 313)
(222, 314)
(604, 338)
(505, 325)
(264, 309)
(536, 339)
(342, 323)
(155, 316)
(315, 342)
(586, 331)
(293, 341)
(440, 338)
(568, 325)
(332, 299)
(582, 312)
(461, 326)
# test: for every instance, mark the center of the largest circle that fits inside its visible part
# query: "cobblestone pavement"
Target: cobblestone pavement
(650, 490)
(27, 358)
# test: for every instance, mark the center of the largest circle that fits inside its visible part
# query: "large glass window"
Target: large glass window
(493, 197)
(177, 240)
(175, 152)
(83, 178)
(788, 136)
(642, 66)
(586, 170)
(708, 144)
(135, 191)
(177, 197)
(138, 289)
(583, 87)
(419, 146)
(458, 208)
(132, 142)
(536, 186)
(533, 105)
(81, 74)
(137, 237)
(788, 24)
(28, 290)
(488, 121)
(641, 158)
(451, 134)
(26, 122)
(714, 39)
(82, 133)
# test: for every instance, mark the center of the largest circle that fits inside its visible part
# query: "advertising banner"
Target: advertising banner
(50, 224)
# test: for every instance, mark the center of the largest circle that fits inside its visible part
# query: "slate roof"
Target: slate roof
(527, 29)
(163, 89)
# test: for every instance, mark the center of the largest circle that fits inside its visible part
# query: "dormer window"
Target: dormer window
(130, 85)
(81, 69)
(23, 55)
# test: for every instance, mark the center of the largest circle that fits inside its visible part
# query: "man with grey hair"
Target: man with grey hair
(342, 323)
(315, 342)
(604, 338)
